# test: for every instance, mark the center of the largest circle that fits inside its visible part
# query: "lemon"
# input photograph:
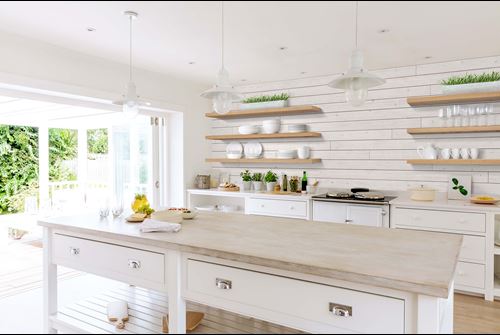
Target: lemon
(140, 201)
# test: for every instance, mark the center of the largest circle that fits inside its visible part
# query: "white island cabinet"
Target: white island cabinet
(320, 278)
(475, 223)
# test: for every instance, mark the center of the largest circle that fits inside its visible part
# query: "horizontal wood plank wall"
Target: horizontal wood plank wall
(369, 145)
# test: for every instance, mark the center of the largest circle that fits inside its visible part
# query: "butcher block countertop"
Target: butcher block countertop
(412, 261)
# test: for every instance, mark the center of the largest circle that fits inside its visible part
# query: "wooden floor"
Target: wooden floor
(474, 315)
(21, 268)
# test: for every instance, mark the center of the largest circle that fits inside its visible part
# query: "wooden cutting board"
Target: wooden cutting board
(193, 319)
(118, 313)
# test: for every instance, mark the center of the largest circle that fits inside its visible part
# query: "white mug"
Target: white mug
(455, 153)
(474, 153)
(446, 153)
(304, 152)
(464, 153)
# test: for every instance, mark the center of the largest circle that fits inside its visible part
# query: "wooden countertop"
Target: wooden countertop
(413, 261)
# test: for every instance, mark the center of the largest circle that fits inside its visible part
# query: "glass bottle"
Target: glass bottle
(284, 183)
(304, 181)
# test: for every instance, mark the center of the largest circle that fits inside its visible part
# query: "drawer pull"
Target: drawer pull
(223, 284)
(134, 264)
(74, 251)
(341, 310)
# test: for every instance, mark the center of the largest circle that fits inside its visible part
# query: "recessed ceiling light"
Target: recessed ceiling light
(303, 72)
(243, 80)
(283, 48)
(191, 63)
(383, 31)
(428, 57)
(91, 29)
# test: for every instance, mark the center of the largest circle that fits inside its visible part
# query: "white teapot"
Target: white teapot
(429, 151)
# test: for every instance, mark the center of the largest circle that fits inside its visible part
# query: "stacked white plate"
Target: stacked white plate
(234, 150)
(297, 128)
(249, 129)
(253, 150)
(286, 154)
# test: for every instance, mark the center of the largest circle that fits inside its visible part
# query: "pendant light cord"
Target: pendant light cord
(222, 30)
(130, 50)
(356, 38)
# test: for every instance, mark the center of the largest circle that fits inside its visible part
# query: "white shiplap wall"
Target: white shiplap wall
(368, 145)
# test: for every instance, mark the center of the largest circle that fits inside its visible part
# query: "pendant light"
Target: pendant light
(356, 81)
(223, 93)
(130, 102)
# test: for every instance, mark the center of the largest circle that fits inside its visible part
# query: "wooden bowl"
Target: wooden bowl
(480, 199)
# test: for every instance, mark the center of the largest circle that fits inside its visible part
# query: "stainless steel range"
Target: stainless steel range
(357, 206)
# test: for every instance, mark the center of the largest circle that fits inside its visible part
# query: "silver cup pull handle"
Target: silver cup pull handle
(74, 251)
(223, 284)
(341, 310)
(133, 264)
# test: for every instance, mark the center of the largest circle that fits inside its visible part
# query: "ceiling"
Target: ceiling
(317, 35)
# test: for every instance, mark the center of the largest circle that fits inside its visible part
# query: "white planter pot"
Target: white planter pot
(270, 186)
(471, 88)
(247, 185)
(264, 105)
(257, 186)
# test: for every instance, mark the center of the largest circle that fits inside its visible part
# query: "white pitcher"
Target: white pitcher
(428, 152)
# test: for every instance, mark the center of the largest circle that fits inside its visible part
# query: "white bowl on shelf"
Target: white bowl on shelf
(233, 155)
(297, 128)
(249, 129)
(286, 154)
(271, 126)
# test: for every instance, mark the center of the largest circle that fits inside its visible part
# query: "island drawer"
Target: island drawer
(473, 249)
(274, 207)
(440, 220)
(135, 266)
(238, 289)
(469, 275)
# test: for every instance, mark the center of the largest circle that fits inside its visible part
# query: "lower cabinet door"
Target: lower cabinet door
(336, 308)
(335, 212)
(365, 215)
(469, 275)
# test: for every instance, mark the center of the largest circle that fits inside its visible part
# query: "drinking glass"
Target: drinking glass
(472, 116)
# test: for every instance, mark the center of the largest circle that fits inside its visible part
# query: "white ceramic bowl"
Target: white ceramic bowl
(187, 216)
(286, 154)
(271, 128)
(249, 129)
(167, 216)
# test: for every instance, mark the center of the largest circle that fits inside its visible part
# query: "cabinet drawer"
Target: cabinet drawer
(440, 220)
(233, 287)
(470, 275)
(272, 207)
(473, 249)
(121, 263)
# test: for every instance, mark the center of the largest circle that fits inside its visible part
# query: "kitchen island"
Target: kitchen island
(311, 276)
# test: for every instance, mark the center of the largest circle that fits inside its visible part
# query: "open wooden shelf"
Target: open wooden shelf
(454, 161)
(266, 112)
(454, 99)
(453, 130)
(264, 160)
(262, 136)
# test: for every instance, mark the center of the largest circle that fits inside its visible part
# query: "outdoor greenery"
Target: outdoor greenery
(18, 166)
(266, 98)
(63, 146)
(97, 142)
(472, 78)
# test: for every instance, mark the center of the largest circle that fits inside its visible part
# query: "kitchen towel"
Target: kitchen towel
(150, 226)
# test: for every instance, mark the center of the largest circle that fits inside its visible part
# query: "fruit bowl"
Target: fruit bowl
(187, 214)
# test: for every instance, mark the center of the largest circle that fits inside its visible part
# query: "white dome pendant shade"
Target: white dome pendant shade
(223, 93)
(130, 102)
(356, 81)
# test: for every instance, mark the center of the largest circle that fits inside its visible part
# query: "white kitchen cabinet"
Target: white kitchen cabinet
(339, 212)
(273, 207)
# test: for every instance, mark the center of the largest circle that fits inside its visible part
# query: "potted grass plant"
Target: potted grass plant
(257, 181)
(271, 179)
(246, 177)
(266, 101)
(472, 83)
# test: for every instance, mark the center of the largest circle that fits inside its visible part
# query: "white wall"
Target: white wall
(368, 145)
(32, 63)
